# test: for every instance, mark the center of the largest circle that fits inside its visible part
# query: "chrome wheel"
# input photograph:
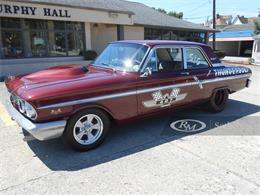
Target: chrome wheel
(88, 129)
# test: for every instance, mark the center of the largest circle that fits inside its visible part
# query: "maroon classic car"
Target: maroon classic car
(129, 80)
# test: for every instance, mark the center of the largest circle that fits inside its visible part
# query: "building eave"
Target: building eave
(75, 6)
(177, 28)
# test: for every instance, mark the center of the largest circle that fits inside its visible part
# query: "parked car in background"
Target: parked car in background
(128, 80)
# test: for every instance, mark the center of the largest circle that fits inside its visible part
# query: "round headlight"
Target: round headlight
(30, 111)
(21, 105)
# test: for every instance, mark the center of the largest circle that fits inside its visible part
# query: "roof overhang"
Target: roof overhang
(178, 28)
(233, 39)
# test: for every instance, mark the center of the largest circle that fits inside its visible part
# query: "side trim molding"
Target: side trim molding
(141, 91)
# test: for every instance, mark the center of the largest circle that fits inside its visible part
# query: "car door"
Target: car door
(199, 68)
(168, 84)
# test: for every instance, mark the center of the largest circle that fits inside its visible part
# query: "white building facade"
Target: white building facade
(256, 50)
(42, 33)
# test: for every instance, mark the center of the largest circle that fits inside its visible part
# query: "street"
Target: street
(144, 157)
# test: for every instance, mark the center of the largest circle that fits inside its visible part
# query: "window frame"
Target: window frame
(144, 60)
(184, 56)
(202, 53)
(24, 29)
(153, 50)
(151, 33)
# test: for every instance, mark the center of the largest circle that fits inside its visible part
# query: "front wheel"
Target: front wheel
(86, 129)
(218, 100)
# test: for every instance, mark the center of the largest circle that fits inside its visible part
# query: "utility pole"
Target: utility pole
(214, 24)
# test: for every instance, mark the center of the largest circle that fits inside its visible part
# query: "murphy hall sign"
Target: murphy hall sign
(49, 11)
(33, 11)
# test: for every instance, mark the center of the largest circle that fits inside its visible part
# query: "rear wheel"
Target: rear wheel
(218, 100)
(86, 129)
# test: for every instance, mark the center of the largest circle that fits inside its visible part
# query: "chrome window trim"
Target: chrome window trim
(141, 91)
(143, 60)
(149, 58)
(184, 56)
(202, 53)
(153, 50)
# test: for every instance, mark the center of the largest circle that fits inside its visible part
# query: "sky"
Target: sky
(198, 11)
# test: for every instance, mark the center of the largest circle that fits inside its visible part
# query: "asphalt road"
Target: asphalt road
(146, 157)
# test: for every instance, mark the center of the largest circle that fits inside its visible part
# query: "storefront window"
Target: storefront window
(38, 44)
(58, 25)
(12, 44)
(26, 38)
(35, 24)
(164, 34)
(152, 34)
(75, 43)
(77, 26)
(57, 44)
(10, 23)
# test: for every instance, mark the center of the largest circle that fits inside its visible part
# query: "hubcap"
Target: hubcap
(88, 129)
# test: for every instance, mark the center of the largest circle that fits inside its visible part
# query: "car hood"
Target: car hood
(60, 75)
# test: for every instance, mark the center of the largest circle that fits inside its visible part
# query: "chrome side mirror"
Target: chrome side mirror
(147, 72)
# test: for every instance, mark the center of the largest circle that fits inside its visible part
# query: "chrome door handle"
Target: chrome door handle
(199, 82)
(185, 73)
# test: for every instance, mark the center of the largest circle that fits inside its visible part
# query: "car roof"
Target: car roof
(152, 43)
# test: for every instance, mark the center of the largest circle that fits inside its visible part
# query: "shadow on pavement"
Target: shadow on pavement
(141, 135)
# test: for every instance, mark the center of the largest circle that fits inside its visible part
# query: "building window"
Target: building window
(27, 38)
(57, 44)
(163, 34)
(75, 43)
(10, 23)
(12, 44)
(38, 45)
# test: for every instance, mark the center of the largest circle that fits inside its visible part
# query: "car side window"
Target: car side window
(169, 59)
(152, 63)
(166, 60)
(195, 59)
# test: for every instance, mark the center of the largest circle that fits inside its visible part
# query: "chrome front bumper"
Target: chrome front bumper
(41, 131)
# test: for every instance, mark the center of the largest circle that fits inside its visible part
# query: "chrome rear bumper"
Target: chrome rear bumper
(41, 131)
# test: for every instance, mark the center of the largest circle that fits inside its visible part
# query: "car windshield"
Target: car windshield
(122, 56)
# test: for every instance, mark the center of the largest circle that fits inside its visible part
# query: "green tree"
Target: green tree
(257, 27)
(162, 10)
(170, 13)
(176, 14)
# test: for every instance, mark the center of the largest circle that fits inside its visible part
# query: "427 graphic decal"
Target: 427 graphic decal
(164, 100)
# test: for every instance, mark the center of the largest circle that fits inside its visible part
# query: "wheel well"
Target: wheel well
(222, 88)
(112, 119)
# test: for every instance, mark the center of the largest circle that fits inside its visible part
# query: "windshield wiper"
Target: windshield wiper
(106, 64)
(109, 66)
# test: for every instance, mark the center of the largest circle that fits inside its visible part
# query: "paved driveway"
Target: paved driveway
(145, 157)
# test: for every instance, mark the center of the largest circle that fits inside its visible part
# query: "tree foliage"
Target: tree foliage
(170, 13)
(176, 14)
(257, 27)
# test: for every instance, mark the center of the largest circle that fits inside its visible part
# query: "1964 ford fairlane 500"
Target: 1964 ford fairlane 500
(129, 80)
